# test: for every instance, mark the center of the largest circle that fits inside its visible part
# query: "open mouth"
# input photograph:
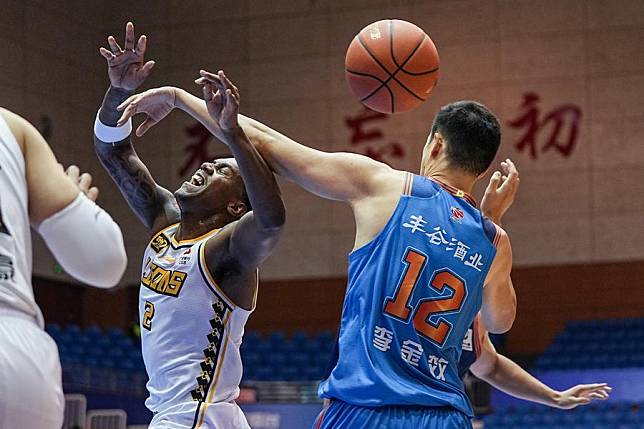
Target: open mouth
(197, 179)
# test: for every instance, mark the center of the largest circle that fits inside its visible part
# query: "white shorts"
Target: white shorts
(31, 393)
(221, 415)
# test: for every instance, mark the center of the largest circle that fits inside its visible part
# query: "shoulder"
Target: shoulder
(17, 125)
(493, 232)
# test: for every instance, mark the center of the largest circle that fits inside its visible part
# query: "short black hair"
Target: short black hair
(472, 132)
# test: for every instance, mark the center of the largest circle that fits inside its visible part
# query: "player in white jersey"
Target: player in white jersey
(34, 190)
(199, 274)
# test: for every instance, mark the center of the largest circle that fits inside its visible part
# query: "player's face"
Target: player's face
(214, 183)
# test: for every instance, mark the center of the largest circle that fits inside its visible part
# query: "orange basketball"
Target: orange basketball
(391, 66)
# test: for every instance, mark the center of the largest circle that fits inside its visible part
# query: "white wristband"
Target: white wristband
(111, 134)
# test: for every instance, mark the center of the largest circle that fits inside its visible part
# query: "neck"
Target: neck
(193, 226)
(451, 176)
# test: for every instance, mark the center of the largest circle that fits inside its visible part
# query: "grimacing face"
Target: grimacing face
(213, 183)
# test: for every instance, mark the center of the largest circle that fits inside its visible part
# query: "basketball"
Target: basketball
(392, 66)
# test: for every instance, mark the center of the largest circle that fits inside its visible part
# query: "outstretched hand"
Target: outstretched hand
(222, 98)
(582, 394)
(126, 67)
(500, 192)
(156, 103)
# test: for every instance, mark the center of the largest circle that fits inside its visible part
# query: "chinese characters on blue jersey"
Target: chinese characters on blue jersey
(439, 237)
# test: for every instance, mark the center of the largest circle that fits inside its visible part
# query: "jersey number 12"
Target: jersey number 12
(399, 307)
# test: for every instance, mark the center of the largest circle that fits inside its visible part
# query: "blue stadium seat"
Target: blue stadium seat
(277, 359)
(264, 347)
(72, 329)
(53, 329)
(252, 359)
(299, 338)
(94, 331)
(263, 372)
(252, 336)
(276, 337)
(313, 373)
(115, 333)
(289, 347)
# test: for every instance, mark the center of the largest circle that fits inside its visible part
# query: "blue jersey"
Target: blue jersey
(413, 292)
(471, 348)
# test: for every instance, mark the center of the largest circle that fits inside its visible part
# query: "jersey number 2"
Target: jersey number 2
(148, 315)
(398, 305)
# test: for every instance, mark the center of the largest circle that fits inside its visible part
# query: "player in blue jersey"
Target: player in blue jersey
(425, 261)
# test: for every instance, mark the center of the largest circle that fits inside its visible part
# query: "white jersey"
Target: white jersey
(190, 330)
(16, 290)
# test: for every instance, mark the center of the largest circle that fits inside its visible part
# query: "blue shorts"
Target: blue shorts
(340, 415)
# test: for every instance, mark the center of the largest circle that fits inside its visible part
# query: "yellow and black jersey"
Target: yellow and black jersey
(191, 331)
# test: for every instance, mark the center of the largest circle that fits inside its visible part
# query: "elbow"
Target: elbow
(273, 221)
(502, 322)
(274, 224)
(112, 270)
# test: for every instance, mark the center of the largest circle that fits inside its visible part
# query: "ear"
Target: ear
(438, 146)
(236, 208)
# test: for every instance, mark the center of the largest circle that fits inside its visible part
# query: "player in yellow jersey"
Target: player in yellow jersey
(199, 275)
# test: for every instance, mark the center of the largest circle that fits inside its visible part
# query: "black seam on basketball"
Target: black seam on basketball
(365, 75)
(419, 73)
(392, 76)
(382, 85)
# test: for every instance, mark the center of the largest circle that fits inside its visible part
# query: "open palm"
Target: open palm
(127, 68)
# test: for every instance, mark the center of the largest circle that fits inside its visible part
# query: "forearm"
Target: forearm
(510, 378)
(261, 186)
(267, 141)
(108, 114)
(124, 166)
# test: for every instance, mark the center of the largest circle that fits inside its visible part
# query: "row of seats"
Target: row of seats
(274, 357)
(595, 416)
(598, 344)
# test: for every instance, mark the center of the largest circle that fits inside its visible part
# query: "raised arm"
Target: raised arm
(339, 176)
(499, 299)
(154, 205)
(255, 234)
(508, 377)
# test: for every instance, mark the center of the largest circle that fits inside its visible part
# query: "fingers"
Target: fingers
(147, 68)
(129, 36)
(210, 77)
(116, 49)
(107, 54)
(208, 94)
(511, 180)
(228, 85)
(232, 104)
(141, 45)
(84, 182)
(73, 172)
(92, 194)
(129, 111)
(145, 126)
(129, 100)
(494, 183)
(598, 395)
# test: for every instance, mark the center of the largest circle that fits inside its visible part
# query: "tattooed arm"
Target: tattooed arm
(154, 205)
